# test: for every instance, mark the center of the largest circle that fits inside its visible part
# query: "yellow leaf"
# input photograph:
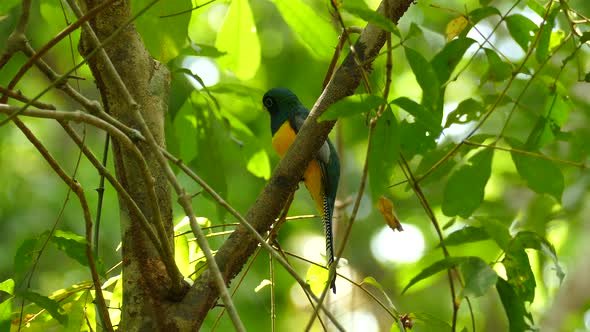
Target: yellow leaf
(456, 26)
(386, 208)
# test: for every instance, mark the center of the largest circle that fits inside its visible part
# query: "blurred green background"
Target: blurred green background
(229, 146)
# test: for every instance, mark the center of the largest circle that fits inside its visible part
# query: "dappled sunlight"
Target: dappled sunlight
(398, 247)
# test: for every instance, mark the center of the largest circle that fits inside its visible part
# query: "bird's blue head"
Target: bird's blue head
(281, 103)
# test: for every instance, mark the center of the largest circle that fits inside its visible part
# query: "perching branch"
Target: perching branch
(234, 253)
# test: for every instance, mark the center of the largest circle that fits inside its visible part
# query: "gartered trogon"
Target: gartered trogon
(287, 115)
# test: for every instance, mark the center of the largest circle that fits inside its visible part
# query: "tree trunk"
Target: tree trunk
(145, 282)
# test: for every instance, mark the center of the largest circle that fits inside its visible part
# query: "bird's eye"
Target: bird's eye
(268, 102)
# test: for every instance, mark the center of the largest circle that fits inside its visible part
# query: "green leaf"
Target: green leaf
(497, 231)
(429, 322)
(426, 77)
(542, 52)
(415, 139)
(52, 307)
(465, 188)
(478, 277)
(513, 306)
(414, 31)
(371, 281)
(26, 253)
(6, 286)
(445, 61)
(383, 154)
(450, 262)
(72, 245)
(518, 271)
(541, 175)
(77, 311)
(314, 32)
(185, 130)
(205, 50)
(536, 7)
(423, 115)
(7, 5)
(479, 14)
(209, 163)
(181, 254)
(521, 29)
(252, 150)
(180, 90)
(498, 70)
(352, 105)
(533, 240)
(467, 234)
(430, 158)
(585, 37)
(237, 36)
(468, 110)
(361, 10)
(548, 126)
(164, 37)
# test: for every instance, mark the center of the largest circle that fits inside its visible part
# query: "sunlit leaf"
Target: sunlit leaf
(456, 26)
(181, 254)
(478, 277)
(465, 188)
(513, 306)
(541, 175)
(315, 32)
(383, 154)
(498, 70)
(521, 29)
(317, 278)
(6, 286)
(371, 281)
(468, 110)
(352, 105)
(164, 37)
(77, 311)
(239, 39)
(361, 10)
(426, 77)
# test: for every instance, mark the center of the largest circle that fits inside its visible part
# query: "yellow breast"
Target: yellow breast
(283, 139)
(312, 177)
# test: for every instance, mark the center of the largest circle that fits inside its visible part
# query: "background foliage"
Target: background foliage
(488, 107)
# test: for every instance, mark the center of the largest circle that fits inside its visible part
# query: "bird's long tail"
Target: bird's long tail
(327, 220)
